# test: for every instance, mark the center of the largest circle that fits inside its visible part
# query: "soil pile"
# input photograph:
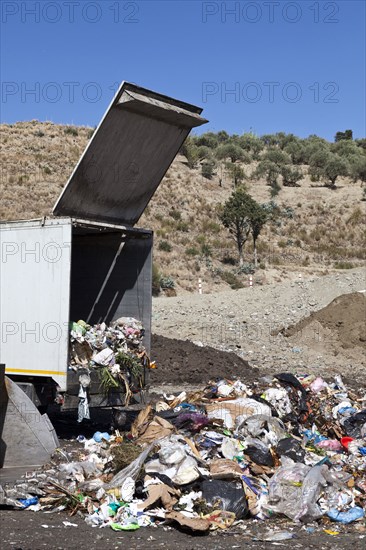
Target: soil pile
(181, 361)
(342, 322)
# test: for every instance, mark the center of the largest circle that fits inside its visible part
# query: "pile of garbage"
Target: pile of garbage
(115, 351)
(284, 446)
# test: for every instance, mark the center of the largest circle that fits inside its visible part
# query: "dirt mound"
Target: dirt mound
(343, 322)
(181, 361)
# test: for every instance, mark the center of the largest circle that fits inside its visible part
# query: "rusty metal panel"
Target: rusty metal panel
(127, 157)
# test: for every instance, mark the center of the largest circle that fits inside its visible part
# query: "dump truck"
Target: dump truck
(87, 261)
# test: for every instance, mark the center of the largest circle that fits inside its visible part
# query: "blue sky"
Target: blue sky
(265, 66)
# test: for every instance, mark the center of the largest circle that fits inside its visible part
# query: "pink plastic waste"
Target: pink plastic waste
(318, 385)
(330, 444)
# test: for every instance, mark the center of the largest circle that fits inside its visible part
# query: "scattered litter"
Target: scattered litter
(274, 536)
(207, 460)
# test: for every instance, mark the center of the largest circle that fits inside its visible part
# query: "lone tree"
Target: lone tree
(257, 219)
(242, 215)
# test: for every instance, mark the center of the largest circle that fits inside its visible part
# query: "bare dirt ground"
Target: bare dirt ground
(28, 531)
(247, 324)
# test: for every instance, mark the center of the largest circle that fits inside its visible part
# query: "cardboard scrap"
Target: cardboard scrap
(141, 422)
(157, 429)
(224, 468)
(162, 492)
(196, 524)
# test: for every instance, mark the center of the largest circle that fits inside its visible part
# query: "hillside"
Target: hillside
(320, 230)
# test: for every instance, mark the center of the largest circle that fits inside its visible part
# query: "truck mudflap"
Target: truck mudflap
(27, 438)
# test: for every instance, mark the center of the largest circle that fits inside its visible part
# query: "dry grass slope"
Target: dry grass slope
(325, 229)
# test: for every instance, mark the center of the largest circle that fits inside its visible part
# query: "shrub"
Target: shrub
(209, 226)
(228, 260)
(71, 131)
(192, 251)
(206, 250)
(47, 170)
(175, 214)
(231, 280)
(288, 212)
(356, 217)
(246, 269)
(167, 282)
(39, 133)
(182, 226)
(165, 246)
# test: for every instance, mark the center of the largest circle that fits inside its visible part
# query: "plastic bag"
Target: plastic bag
(291, 448)
(295, 489)
(318, 385)
(267, 428)
(355, 425)
(235, 411)
(131, 471)
(258, 452)
(175, 462)
(193, 421)
(351, 515)
(80, 471)
(284, 488)
(172, 454)
(225, 495)
(230, 447)
(278, 397)
(330, 444)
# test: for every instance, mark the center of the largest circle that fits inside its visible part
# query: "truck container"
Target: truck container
(89, 260)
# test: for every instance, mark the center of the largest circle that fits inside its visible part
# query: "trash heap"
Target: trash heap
(287, 446)
(114, 351)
